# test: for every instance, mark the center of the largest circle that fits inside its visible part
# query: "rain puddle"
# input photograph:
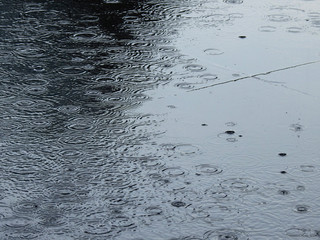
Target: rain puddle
(164, 120)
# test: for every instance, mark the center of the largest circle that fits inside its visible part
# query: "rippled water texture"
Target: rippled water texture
(135, 119)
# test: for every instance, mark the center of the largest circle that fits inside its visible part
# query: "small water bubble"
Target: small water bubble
(178, 204)
(283, 192)
(301, 188)
(296, 127)
(301, 208)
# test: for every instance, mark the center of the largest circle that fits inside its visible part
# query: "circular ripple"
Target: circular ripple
(26, 207)
(80, 124)
(153, 211)
(16, 222)
(186, 149)
(233, 1)
(209, 77)
(98, 224)
(36, 90)
(69, 109)
(30, 52)
(226, 234)
(184, 85)
(294, 30)
(279, 18)
(195, 68)
(239, 184)
(213, 51)
(173, 171)
(267, 29)
(207, 169)
(302, 232)
(72, 71)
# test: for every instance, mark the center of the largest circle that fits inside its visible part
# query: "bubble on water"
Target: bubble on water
(178, 204)
(296, 127)
(301, 208)
(283, 192)
(300, 188)
(213, 51)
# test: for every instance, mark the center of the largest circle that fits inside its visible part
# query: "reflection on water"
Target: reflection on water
(77, 160)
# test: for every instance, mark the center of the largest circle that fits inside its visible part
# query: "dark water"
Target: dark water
(100, 138)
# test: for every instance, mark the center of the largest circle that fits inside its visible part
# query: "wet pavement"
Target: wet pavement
(162, 120)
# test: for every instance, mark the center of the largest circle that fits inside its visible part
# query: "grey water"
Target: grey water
(169, 120)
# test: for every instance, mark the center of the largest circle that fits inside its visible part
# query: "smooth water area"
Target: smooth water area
(180, 120)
